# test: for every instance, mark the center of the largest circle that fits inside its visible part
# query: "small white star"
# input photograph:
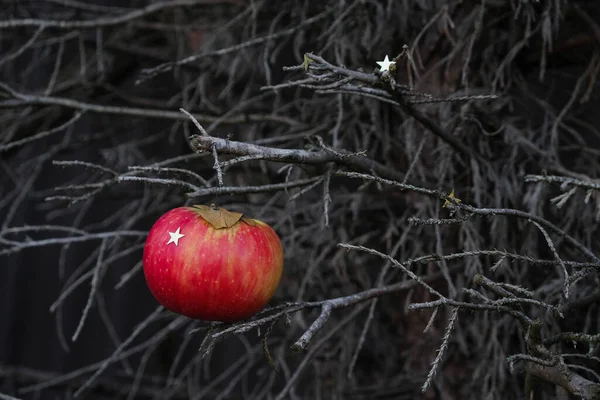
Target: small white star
(175, 236)
(385, 64)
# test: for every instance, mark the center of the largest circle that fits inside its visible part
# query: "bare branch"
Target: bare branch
(25, 99)
(273, 187)
(572, 382)
(102, 21)
(152, 72)
(440, 353)
(224, 146)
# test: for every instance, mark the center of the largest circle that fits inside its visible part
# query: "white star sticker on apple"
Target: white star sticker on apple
(385, 64)
(175, 236)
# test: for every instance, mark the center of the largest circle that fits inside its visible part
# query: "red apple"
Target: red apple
(208, 263)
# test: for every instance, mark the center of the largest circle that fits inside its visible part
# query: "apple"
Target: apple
(212, 264)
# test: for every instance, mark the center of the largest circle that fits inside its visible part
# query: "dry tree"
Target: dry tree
(439, 216)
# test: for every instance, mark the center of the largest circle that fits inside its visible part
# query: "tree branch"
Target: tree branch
(27, 100)
(322, 156)
(104, 21)
(572, 382)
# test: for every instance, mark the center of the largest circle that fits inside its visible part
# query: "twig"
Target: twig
(195, 121)
(73, 163)
(440, 352)
(274, 187)
(482, 211)
(123, 354)
(159, 181)
(314, 327)
(217, 165)
(25, 99)
(571, 381)
(223, 146)
(24, 47)
(399, 99)
(326, 196)
(141, 326)
(511, 360)
(102, 21)
(93, 288)
(83, 237)
(395, 263)
(313, 350)
(40, 135)
(182, 171)
(557, 256)
(563, 180)
(335, 303)
(7, 397)
(151, 72)
(573, 337)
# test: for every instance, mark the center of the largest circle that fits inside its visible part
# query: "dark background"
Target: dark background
(540, 58)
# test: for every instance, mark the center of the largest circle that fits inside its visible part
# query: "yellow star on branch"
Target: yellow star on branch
(307, 61)
(385, 64)
(451, 196)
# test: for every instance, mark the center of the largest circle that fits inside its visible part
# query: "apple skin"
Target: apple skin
(226, 274)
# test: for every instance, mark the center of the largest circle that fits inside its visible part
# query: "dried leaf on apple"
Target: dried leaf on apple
(218, 217)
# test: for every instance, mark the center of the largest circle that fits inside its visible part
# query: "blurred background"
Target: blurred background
(90, 93)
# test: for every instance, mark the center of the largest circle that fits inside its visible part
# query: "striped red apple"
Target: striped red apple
(212, 264)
